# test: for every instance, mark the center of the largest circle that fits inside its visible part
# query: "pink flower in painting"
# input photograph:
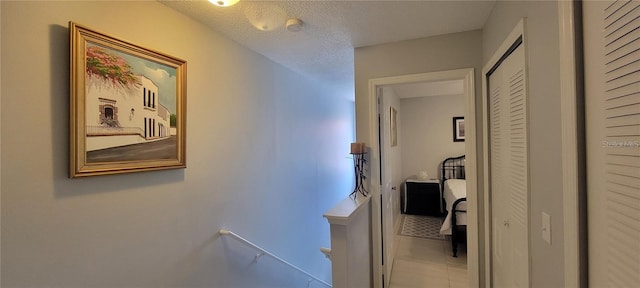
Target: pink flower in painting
(110, 67)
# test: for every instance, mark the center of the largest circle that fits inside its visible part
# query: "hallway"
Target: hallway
(425, 263)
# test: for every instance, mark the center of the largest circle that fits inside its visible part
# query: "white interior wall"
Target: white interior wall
(432, 54)
(266, 157)
(545, 170)
(428, 133)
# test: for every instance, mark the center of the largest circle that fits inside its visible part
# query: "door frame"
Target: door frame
(573, 145)
(467, 75)
(499, 54)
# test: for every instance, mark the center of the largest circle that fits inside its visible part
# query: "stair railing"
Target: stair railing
(265, 252)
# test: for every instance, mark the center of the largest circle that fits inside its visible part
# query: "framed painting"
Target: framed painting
(393, 127)
(458, 129)
(127, 106)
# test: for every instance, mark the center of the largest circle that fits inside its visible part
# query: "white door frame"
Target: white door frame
(473, 247)
(517, 32)
(573, 152)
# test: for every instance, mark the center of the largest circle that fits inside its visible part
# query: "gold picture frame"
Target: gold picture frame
(127, 106)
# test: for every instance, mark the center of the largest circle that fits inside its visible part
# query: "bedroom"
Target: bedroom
(425, 116)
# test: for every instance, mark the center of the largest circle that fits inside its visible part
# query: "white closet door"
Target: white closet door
(612, 98)
(500, 232)
(509, 172)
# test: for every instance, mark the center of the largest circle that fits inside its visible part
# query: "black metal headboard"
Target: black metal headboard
(453, 168)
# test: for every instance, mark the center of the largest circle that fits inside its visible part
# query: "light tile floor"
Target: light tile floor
(425, 263)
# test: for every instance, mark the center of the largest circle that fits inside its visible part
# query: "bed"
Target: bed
(454, 192)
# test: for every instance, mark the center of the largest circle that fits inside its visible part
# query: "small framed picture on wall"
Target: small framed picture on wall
(458, 129)
(394, 127)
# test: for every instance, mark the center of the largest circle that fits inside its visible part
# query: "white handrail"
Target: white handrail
(326, 251)
(229, 233)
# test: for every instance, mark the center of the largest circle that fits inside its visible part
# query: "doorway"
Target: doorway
(382, 237)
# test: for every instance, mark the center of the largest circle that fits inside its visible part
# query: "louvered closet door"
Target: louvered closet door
(508, 169)
(612, 82)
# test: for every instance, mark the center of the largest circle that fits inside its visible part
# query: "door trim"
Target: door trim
(467, 75)
(517, 32)
(573, 148)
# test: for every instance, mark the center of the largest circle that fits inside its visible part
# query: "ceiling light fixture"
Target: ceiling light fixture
(224, 3)
(265, 16)
(294, 25)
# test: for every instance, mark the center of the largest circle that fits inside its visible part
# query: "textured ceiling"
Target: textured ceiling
(324, 47)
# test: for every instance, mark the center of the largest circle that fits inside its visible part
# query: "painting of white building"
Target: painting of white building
(122, 107)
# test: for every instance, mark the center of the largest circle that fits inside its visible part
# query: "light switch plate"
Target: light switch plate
(546, 227)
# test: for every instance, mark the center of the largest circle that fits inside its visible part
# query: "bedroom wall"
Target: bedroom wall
(250, 125)
(545, 160)
(428, 133)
